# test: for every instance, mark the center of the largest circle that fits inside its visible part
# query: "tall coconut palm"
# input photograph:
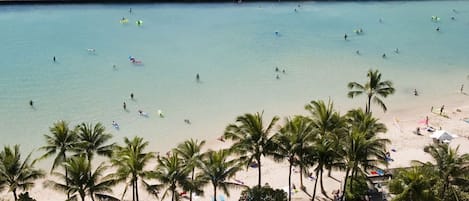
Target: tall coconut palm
(330, 127)
(92, 140)
(61, 141)
(365, 122)
(172, 174)
(16, 174)
(361, 153)
(451, 167)
(190, 151)
(293, 142)
(82, 181)
(130, 161)
(217, 169)
(374, 88)
(251, 139)
(414, 184)
(324, 155)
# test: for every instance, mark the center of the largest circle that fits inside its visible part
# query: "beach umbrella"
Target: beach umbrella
(443, 135)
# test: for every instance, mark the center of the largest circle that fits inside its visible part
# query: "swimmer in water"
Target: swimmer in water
(384, 55)
(130, 10)
(276, 69)
(380, 20)
(132, 96)
(276, 33)
(31, 103)
(187, 121)
(357, 52)
(197, 77)
(278, 77)
(437, 29)
(283, 71)
(53, 58)
(345, 36)
(396, 50)
(124, 106)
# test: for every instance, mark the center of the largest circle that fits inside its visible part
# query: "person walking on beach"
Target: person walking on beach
(415, 92)
(441, 109)
(462, 88)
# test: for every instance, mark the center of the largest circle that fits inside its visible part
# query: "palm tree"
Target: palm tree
(361, 153)
(92, 139)
(324, 155)
(365, 122)
(16, 174)
(451, 167)
(293, 142)
(251, 139)
(217, 169)
(330, 127)
(414, 184)
(374, 89)
(130, 160)
(59, 143)
(81, 181)
(190, 151)
(171, 173)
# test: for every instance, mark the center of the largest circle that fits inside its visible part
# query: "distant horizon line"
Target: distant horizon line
(6, 2)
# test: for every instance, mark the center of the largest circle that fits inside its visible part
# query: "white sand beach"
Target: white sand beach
(401, 123)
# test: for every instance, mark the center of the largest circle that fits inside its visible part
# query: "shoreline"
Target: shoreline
(401, 122)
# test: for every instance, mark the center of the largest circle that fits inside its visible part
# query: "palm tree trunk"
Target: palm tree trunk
(352, 179)
(289, 181)
(173, 193)
(301, 177)
(66, 175)
(322, 185)
(259, 171)
(315, 184)
(192, 179)
(82, 195)
(92, 197)
(14, 194)
(136, 188)
(214, 192)
(445, 186)
(368, 106)
(133, 190)
(345, 184)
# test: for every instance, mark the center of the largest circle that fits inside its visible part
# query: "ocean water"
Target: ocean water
(235, 50)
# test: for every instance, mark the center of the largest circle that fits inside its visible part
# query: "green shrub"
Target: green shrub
(357, 189)
(25, 197)
(264, 193)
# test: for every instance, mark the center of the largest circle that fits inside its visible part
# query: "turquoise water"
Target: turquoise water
(234, 49)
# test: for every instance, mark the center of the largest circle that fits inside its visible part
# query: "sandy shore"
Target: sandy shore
(401, 122)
